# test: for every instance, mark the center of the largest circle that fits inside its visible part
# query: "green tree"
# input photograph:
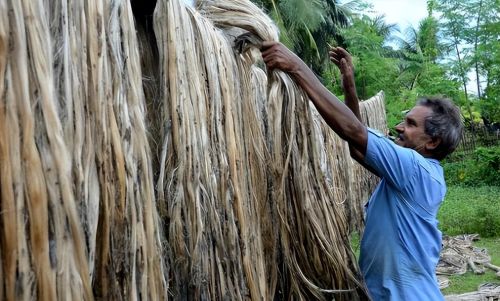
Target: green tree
(419, 64)
(487, 58)
(456, 24)
(307, 26)
(366, 40)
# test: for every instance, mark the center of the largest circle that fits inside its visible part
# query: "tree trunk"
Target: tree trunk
(467, 101)
(476, 38)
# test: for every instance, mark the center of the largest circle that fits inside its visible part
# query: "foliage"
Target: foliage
(471, 210)
(471, 28)
(307, 26)
(482, 169)
(490, 109)
(466, 113)
(456, 38)
(374, 69)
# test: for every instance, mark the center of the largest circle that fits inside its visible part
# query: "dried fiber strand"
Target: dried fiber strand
(128, 261)
(71, 80)
(200, 104)
(9, 167)
(205, 8)
(77, 194)
(291, 159)
(362, 182)
(146, 265)
(186, 168)
(44, 168)
(251, 190)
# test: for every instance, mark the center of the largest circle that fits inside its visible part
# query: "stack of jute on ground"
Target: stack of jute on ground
(485, 292)
(459, 255)
(249, 181)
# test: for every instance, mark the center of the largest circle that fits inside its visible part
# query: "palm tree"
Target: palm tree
(419, 49)
(307, 26)
(412, 59)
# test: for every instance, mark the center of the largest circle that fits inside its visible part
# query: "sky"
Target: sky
(404, 13)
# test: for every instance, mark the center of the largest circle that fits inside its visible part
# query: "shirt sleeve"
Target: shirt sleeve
(392, 162)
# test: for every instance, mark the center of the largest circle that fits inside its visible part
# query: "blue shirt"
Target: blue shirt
(401, 242)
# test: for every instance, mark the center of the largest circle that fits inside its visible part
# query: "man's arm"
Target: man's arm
(343, 60)
(336, 114)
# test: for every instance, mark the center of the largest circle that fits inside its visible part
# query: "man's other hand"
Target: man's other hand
(343, 60)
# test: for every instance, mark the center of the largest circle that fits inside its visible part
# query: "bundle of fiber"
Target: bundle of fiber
(79, 217)
(42, 242)
(129, 265)
(241, 173)
(486, 291)
(212, 166)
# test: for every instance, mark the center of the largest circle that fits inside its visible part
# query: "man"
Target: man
(401, 242)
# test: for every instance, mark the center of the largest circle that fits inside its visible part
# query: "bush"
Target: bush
(471, 210)
(482, 168)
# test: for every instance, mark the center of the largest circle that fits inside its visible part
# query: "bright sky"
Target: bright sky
(405, 13)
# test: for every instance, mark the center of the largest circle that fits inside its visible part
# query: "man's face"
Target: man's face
(411, 131)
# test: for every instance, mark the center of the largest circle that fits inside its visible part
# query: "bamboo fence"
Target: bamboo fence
(176, 169)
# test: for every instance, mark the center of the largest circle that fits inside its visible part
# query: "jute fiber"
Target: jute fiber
(79, 219)
(250, 194)
(179, 168)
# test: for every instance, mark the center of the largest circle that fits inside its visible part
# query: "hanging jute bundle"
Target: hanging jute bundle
(194, 176)
(252, 205)
(78, 216)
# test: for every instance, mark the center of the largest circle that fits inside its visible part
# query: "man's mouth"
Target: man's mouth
(398, 139)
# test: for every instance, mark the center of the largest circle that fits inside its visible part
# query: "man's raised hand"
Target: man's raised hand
(343, 60)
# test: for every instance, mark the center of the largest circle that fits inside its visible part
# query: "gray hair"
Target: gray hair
(444, 123)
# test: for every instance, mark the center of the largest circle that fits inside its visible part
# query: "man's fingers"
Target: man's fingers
(268, 52)
(266, 57)
(270, 60)
(269, 49)
(344, 53)
(267, 44)
(334, 60)
(270, 64)
(342, 50)
(333, 55)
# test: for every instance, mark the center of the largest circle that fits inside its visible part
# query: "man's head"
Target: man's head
(433, 128)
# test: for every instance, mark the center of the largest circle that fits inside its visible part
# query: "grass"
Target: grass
(468, 210)
(471, 210)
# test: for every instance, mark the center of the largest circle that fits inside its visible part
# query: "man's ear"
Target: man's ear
(433, 143)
